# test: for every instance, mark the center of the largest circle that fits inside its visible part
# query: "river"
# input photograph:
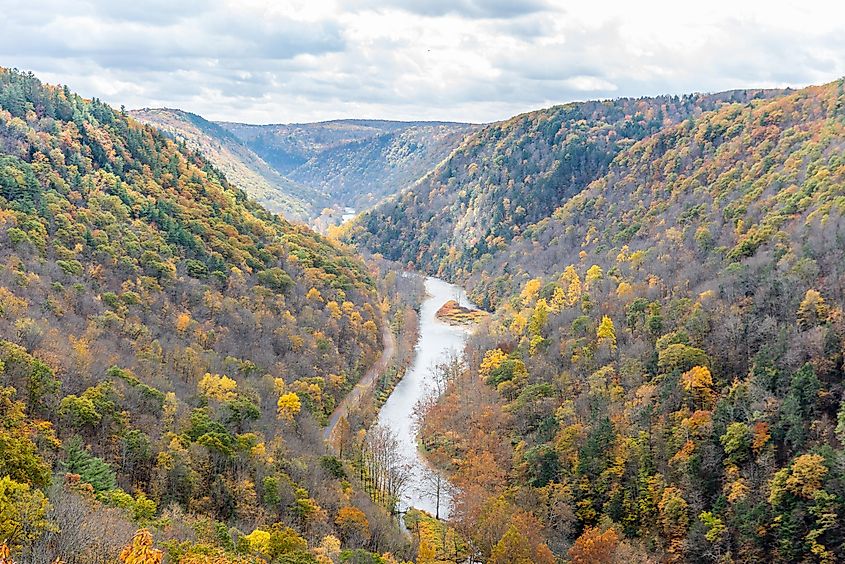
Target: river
(437, 340)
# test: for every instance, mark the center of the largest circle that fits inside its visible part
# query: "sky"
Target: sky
(283, 61)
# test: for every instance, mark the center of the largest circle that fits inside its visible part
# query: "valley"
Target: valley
(602, 331)
(316, 172)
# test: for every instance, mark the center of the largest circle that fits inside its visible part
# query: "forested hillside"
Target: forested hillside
(361, 173)
(357, 162)
(514, 173)
(242, 166)
(167, 349)
(662, 379)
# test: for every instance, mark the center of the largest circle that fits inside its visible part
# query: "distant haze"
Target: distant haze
(465, 60)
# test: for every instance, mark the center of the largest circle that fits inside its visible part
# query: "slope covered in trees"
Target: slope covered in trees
(242, 166)
(662, 379)
(357, 162)
(514, 173)
(167, 349)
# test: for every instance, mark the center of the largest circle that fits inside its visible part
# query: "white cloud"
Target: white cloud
(473, 60)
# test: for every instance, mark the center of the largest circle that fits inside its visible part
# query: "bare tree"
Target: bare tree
(385, 470)
(446, 371)
(436, 487)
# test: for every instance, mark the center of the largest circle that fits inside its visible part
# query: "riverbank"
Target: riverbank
(364, 387)
(437, 342)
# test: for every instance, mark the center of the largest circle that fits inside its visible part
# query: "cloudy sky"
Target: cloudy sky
(264, 61)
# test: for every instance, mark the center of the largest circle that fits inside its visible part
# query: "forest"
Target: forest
(241, 166)
(169, 353)
(661, 378)
(657, 375)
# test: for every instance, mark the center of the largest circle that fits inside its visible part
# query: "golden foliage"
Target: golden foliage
(288, 406)
(595, 547)
(183, 321)
(353, 523)
(530, 290)
(594, 274)
(606, 333)
(806, 476)
(141, 550)
(221, 388)
(492, 360)
(314, 294)
(698, 381)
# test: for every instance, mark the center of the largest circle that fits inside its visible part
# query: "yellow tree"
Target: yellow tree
(289, 406)
(518, 323)
(183, 321)
(329, 550)
(803, 479)
(698, 382)
(530, 290)
(23, 513)
(606, 333)
(571, 283)
(221, 388)
(334, 310)
(558, 300)
(674, 517)
(314, 294)
(353, 524)
(538, 317)
(813, 310)
(141, 551)
(517, 548)
(492, 360)
(594, 274)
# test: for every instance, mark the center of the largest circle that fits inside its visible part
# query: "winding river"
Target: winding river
(436, 341)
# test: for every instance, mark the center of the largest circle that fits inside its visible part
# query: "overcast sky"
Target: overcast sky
(265, 61)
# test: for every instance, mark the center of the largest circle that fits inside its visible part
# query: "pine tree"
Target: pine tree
(91, 469)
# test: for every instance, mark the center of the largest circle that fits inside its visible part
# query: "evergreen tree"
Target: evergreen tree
(91, 469)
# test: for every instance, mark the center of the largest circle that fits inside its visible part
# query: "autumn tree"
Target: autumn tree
(812, 310)
(141, 550)
(353, 525)
(698, 382)
(595, 546)
(23, 513)
(606, 333)
(288, 406)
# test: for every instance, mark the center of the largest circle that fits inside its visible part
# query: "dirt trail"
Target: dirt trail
(365, 384)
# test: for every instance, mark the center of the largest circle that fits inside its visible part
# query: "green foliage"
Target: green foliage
(510, 369)
(141, 509)
(23, 513)
(360, 556)
(719, 243)
(29, 374)
(737, 442)
(275, 279)
(333, 466)
(680, 358)
(515, 173)
(20, 458)
(91, 469)
(130, 267)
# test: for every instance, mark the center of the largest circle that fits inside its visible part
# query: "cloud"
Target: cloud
(472, 60)
(494, 9)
